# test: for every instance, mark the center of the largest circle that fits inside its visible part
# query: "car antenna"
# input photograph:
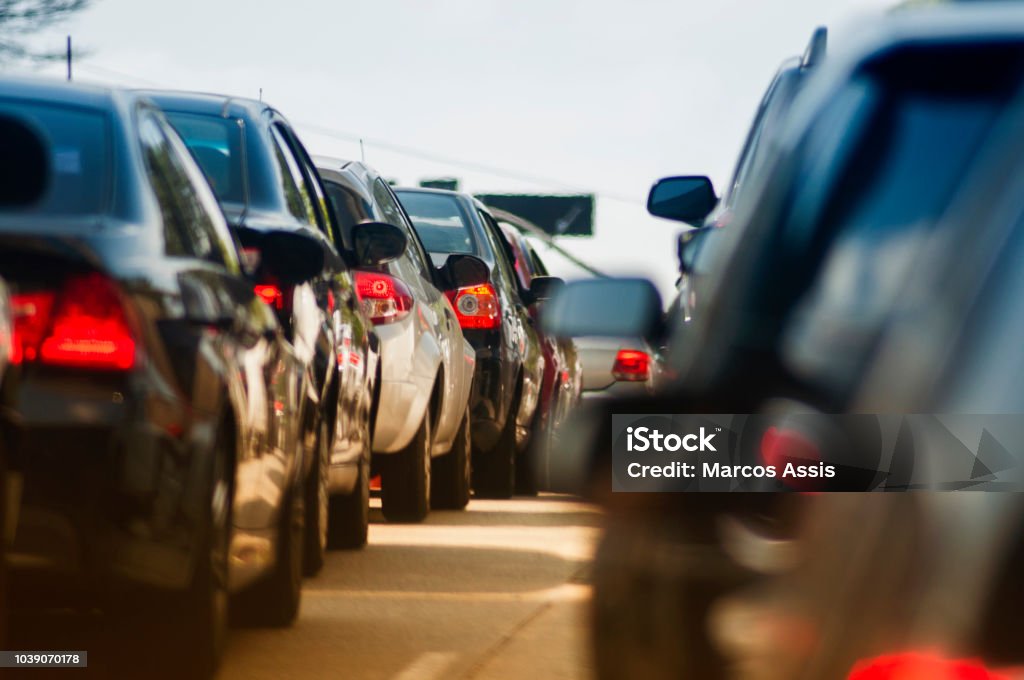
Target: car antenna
(69, 58)
(362, 151)
(815, 52)
(261, 94)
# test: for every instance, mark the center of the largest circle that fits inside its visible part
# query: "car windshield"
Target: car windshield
(439, 221)
(216, 144)
(78, 144)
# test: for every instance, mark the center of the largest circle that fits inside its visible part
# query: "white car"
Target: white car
(421, 438)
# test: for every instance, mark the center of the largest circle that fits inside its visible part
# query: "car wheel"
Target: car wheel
(526, 457)
(188, 632)
(496, 469)
(316, 502)
(350, 514)
(452, 474)
(405, 488)
(652, 600)
(275, 600)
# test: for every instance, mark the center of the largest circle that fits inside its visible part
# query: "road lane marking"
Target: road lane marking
(567, 592)
(428, 666)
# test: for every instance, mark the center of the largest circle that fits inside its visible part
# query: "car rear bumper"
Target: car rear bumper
(619, 390)
(112, 489)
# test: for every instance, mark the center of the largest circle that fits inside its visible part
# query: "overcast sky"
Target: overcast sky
(589, 95)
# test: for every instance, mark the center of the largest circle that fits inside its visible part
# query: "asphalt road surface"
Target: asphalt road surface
(496, 592)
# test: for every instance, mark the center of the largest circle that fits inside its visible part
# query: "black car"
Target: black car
(947, 354)
(155, 417)
(495, 319)
(806, 273)
(695, 246)
(264, 180)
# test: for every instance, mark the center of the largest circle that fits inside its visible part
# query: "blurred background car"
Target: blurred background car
(422, 431)
(264, 180)
(708, 213)
(875, 152)
(157, 403)
(495, 319)
(951, 560)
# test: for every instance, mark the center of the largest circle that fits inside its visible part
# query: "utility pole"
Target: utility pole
(69, 58)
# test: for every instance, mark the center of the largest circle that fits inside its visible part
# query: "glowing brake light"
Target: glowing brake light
(781, 445)
(476, 307)
(632, 365)
(923, 666)
(271, 294)
(85, 325)
(384, 298)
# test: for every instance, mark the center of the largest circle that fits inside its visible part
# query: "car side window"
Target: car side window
(189, 230)
(297, 197)
(311, 179)
(393, 214)
(501, 258)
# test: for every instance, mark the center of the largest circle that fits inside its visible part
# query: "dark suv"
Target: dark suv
(495, 319)
(802, 284)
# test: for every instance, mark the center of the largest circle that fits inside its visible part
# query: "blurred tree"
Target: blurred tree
(21, 18)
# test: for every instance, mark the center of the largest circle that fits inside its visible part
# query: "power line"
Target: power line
(413, 152)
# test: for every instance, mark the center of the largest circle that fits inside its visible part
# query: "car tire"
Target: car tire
(452, 473)
(350, 514)
(187, 632)
(275, 600)
(317, 504)
(649, 616)
(496, 469)
(526, 457)
(405, 483)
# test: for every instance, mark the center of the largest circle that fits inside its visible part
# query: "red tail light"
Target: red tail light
(781, 445)
(476, 307)
(85, 325)
(277, 296)
(271, 294)
(922, 666)
(632, 365)
(384, 298)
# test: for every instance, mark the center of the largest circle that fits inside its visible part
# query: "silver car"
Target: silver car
(421, 438)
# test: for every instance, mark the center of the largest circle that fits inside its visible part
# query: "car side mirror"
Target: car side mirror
(611, 308)
(292, 255)
(545, 287)
(24, 164)
(463, 271)
(690, 243)
(376, 243)
(687, 199)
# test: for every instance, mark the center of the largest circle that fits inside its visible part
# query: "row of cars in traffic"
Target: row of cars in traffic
(213, 340)
(865, 260)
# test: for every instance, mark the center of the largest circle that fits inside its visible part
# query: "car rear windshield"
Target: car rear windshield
(216, 144)
(439, 221)
(894, 148)
(77, 143)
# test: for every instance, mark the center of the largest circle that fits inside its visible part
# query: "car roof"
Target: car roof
(352, 170)
(60, 91)
(208, 103)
